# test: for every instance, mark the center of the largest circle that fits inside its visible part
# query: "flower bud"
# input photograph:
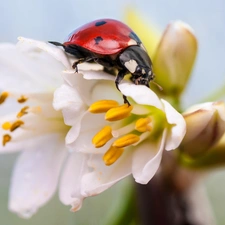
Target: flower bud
(174, 58)
(205, 127)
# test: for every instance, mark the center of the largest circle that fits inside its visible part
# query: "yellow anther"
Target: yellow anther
(102, 106)
(118, 113)
(142, 124)
(6, 125)
(23, 112)
(22, 99)
(126, 140)
(3, 96)
(16, 124)
(112, 155)
(6, 139)
(102, 137)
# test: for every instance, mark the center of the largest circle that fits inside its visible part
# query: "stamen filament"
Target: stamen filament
(112, 155)
(142, 124)
(102, 137)
(123, 130)
(102, 106)
(118, 113)
(126, 140)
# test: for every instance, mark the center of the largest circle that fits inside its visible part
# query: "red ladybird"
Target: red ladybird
(112, 44)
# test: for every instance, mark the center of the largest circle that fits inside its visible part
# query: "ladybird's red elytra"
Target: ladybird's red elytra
(112, 44)
(115, 36)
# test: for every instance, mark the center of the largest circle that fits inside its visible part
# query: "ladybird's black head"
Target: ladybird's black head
(136, 60)
(143, 77)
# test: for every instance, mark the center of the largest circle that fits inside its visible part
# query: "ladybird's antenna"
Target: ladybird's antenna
(56, 43)
(160, 88)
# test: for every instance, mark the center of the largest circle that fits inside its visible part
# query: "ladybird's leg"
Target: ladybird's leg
(87, 59)
(74, 66)
(119, 78)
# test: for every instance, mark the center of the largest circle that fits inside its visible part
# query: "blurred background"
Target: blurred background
(54, 20)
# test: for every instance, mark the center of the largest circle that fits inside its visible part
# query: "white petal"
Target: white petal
(209, 106)
(68, 99)
(141, 94)
(178, 130)
(90, 125)
(103, 177)
(97, 75)
(89, 66)
(23, 71)
(205, 105)
(36, 175)
(56, 52)
(105, 90)
(147, 159)
(74, 130)
(70, 184)
(82, 86)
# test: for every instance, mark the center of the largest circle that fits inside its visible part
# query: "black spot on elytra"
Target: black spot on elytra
(100, 23)
(98, 40)
(134, 36)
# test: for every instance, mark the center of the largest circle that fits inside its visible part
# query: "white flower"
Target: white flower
(120, 139)
(130, 140)
(30, 72)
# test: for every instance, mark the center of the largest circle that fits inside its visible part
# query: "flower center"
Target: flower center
(125, 128)
(30, 118)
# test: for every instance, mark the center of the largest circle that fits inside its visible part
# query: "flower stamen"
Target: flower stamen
(12, 126)
(6, 126)
(102, 137)
(142, 124)
(16, 125)
(23, 112)
(3, 97)
(126, 140)
(102, 106)
(6, 139)
(112, 155)
(22, 99)
(118, 113)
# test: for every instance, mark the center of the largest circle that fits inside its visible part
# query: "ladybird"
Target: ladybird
(114, 45)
